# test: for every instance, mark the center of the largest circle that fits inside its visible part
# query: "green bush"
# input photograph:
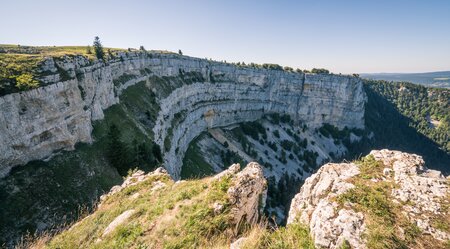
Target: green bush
(26, 81)
(320, 71)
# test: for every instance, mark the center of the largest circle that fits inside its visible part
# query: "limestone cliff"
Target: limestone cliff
(36, 123)
(387, 200)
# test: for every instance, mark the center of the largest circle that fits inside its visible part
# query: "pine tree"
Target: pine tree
(98, 48)
(156, 151)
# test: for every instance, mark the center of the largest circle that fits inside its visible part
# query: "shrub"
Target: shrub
(26, 81)
(276, 133)
(320, 71)
(287, 145)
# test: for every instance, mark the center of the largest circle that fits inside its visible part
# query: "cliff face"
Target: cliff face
(36, 123)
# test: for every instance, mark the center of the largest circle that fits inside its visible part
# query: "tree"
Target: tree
(98, 48)
(117, 151)
(142, 48)
(180, 52)
(320, 71)
(156, 151)
(110, 54)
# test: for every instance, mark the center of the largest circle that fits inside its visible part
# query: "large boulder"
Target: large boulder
(315, 205)
(248, 193)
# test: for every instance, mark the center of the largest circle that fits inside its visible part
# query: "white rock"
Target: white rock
(117, 221)
(315, 206)
(248, 193)
(35, 123)
(420, 192)
(238, 243)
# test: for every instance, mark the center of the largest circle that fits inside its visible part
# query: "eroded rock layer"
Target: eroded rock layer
(36, 123)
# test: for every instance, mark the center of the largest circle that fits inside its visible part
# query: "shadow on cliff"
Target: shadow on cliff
(392, 131)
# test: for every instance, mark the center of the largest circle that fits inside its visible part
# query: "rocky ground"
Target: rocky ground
(386, 200)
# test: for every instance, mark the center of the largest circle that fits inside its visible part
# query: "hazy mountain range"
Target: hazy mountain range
(434, 79)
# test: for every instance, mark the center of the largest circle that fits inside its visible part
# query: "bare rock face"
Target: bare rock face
(424, 193)
(36, 123)
(421, 193)
(315, 205)
(248, 194)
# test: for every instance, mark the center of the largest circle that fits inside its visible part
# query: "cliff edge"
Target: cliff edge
(386, 200)
(198, 94)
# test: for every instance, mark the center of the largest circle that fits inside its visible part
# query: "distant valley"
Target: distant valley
(434, 79)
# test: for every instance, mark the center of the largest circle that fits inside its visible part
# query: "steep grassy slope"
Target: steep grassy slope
(42, 192)
(155, 212)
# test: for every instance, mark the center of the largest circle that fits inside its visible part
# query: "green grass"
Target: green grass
(374, 200)
(183, 213)
(54, 51)
(73, 178)
(19, 64)
(384, 217)
(46, 191)
(294, 235)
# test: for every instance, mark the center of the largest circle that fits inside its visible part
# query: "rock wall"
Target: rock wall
(36, 123)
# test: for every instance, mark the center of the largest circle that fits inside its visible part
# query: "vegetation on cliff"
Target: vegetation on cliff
(391, 121)
(427, 108)
(20, 65)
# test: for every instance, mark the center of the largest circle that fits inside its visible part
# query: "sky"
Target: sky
(343, 36)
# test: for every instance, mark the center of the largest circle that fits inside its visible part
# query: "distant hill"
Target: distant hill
(434, 79)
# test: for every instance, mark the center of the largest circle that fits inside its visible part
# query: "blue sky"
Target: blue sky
(344, 36)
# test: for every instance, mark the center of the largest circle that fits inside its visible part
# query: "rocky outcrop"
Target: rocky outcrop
(315, 205)
(248, 194)
(36, 123)
(420, 193)
(117, 222)
(424, 193)
(136, 178)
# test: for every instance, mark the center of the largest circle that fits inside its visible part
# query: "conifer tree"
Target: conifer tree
(98, 48)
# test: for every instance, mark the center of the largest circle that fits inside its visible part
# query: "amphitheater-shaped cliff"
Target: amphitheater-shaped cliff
(36, 123)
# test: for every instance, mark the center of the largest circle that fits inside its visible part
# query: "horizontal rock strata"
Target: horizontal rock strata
(36, 123)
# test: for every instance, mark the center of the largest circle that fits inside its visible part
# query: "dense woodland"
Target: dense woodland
(422, 105)
(396, 118)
